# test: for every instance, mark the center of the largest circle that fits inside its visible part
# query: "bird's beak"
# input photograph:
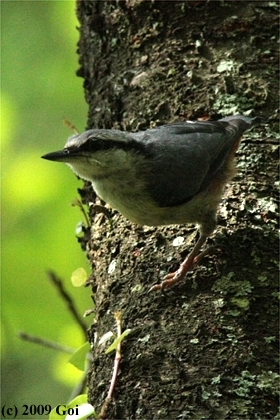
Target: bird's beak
(59, 156)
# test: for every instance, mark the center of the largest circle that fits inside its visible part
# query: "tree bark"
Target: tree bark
(208, 347)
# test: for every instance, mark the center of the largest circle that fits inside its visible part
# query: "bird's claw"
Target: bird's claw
(169, 280)
(173, 278)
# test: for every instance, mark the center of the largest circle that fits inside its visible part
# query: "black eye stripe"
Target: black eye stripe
(95, 144)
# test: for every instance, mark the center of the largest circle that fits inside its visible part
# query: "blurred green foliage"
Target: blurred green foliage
(39, 88)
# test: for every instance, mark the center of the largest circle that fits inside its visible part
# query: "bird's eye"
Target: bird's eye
(69, 150)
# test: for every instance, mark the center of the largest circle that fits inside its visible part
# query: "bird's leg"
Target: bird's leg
(193, 258)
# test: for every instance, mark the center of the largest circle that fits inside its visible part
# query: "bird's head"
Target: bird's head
(97, 153)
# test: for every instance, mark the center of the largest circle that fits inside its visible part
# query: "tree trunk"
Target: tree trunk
(208, 347)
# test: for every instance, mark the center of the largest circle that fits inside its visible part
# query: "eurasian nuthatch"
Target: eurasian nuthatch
(171, 174)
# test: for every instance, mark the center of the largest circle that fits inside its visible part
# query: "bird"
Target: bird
(171, 174)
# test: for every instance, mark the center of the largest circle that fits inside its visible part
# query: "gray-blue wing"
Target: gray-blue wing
(184, 157)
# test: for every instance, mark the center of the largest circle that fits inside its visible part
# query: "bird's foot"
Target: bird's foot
(208, 251)
(173, 278)
(191, 260)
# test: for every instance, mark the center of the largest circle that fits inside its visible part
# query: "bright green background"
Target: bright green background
(39, 88)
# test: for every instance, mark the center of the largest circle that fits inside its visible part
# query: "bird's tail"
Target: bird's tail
(248, 120)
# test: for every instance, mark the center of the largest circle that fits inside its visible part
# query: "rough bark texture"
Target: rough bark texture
(208, 348)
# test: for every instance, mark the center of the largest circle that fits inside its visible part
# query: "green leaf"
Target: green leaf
(55, 416)
(79, 357)
(77, 409)
(83, 411)
(117, 341)
(79, 277)
(242, 303)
